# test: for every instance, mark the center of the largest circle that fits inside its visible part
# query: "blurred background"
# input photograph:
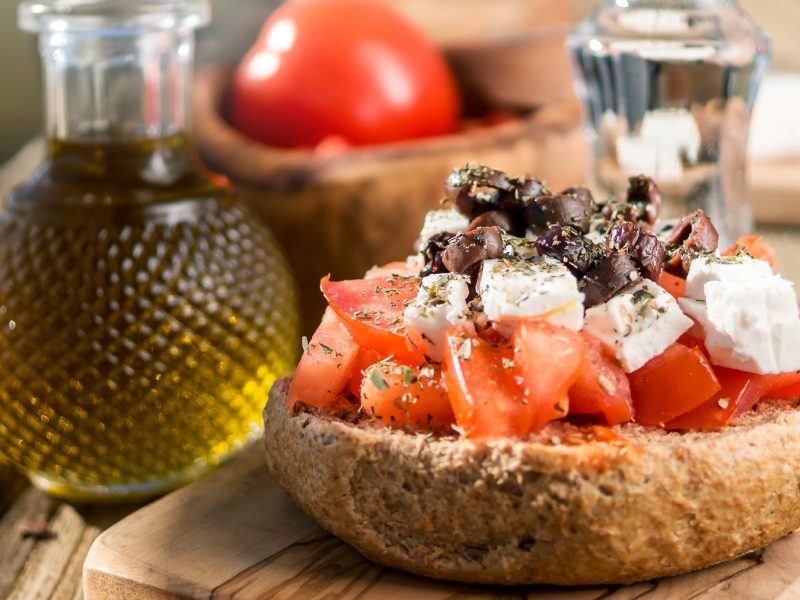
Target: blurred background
(235, 25)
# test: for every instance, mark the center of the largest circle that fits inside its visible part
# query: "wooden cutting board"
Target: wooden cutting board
(236, 535)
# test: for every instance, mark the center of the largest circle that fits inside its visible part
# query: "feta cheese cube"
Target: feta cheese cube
(440, 303)
(638, 323)
(512, 289)
(439, 221)
(515, 247)
(723, 268)
(749, 325)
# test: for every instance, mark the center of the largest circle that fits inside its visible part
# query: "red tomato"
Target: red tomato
(547, 358)
(400, 395)
(737, 387)
(753, 245)
(356, 69)
(785, 386)
(602, 386)
(365, 359)
(372, 311)
(671, 384)
(673, 284)
(486, 397)
(325, 366)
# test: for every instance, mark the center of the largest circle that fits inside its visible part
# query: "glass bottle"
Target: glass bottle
(668, 87)
(144, 313)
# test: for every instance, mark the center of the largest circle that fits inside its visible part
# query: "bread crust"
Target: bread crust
(511, 512)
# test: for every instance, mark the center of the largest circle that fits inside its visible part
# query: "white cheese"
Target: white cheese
(439, 221)
(515, 247)
(710, 268)
(512, 289)
(440, 303)
(598, 229)
(638, 323)
(749, 325)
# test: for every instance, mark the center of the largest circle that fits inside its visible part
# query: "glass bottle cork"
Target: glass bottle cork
(144, 313)
(668, 87)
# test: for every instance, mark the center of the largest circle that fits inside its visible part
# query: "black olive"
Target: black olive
(432, 253)
(610, 275)
(644, 193)
(694, 234)
(493, 218)
(466, 250)
(644, 248)
(475, 189)
(563, 209)
(568, 246)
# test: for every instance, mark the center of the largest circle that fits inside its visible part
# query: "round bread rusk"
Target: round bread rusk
(545, 509)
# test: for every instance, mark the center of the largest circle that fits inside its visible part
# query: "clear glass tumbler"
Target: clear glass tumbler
(668, 87)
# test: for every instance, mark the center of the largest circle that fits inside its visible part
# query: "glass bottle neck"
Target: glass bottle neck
(116, 86)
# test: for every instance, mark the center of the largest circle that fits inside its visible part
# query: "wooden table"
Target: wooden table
(49, 566)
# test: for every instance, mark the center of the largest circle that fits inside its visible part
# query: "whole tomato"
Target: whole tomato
(353, 69)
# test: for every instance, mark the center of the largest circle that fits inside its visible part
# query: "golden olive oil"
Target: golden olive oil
(144, 316)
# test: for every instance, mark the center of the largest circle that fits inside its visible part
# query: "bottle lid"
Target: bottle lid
(121, 15)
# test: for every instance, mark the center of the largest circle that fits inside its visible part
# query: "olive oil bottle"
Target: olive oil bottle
(144, 313)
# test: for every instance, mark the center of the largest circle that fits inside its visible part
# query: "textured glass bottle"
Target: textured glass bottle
(668, 87)
(143, 313)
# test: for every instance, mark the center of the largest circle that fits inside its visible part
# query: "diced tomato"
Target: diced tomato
(740, 392)
(486, 396)
(673, 284)
(400, 395)
(326, 365)
(602, 386)
(399, 267)
(547, 358)
(671, 384)
(753, 245)
(372, 311)
(365, 359)
(785, 386)
(737, 387)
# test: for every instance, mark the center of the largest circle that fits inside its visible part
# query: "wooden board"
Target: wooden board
(236, 535)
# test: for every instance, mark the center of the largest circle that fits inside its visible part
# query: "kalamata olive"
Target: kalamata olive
(644, 248)
(694, 234)
(583, 193)
(468, 249)
(644, 193)
(568, 246)
(432, 253)
(492, 218)
(562, 209)
(474, 188)
(529, 188)
(612, 273)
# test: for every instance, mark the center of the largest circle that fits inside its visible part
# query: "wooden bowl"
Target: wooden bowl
(342, 214)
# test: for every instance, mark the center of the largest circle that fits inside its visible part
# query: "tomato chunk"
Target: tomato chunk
(547, 358)
(486, 396)
(602, 386)
(326, 365)
(365, 359)
(737, 387)
(671, 384)
(753, 245)
(784, 386)
(673, 284)
(400, 395)
(372, 311)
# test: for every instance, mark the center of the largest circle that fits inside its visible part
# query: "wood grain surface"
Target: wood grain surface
(236, 535)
